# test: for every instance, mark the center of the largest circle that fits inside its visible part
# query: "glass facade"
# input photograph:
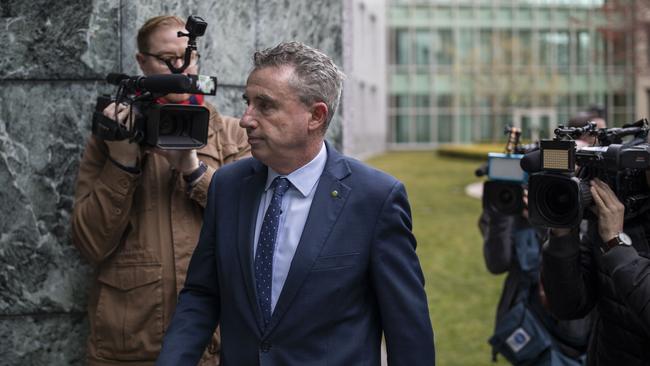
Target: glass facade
(459, 71)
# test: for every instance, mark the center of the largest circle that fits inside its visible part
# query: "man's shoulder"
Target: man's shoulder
(237, 169)
(366, 175)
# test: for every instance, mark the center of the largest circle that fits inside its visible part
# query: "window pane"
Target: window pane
(545, 131)
(444, 128)
(444, 100)
(619, 49)
(423, 128)
(505, 47)
(486, 131)
(402, 48)
(526, 128)
(486, 46)
(525, 48)
(465, 47)
(582, 101)
(444, 47)
(422, 47)
(422, 100)
(545, 48)
(402, 128)
(584, 48)
(465, 128)
(620, 100)
(562, 49)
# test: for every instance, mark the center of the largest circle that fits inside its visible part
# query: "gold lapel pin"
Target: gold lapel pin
(335, 193)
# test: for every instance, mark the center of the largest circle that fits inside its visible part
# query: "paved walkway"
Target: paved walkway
(475, 190)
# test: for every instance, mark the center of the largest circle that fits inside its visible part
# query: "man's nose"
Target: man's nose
(178, 61)
(247, 121)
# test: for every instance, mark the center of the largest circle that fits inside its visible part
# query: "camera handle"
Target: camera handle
(107, 129)
(195, 28)
(191, 46)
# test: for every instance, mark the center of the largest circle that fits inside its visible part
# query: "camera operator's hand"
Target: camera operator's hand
(123, 152)
(524, 197)
(185, 161)
(557, 232)
(610, 210)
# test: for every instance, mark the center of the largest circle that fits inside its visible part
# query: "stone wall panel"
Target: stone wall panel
(51, 340)
(46, 39)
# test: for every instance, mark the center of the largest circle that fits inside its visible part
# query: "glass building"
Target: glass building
(460, 71)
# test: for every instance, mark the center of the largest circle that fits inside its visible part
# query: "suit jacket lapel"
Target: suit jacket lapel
(251, 193)
(325, 210)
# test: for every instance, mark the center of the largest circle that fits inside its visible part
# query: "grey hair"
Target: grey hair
(317, 78)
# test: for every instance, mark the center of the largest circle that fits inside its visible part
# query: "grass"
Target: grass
(462, 294)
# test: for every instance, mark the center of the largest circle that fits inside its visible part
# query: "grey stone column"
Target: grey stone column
(53, 60)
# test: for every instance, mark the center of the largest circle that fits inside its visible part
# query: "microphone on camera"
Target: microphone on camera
(532, 162)
(481, 170)
(166, 83)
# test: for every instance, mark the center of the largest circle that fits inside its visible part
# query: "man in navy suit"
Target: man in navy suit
(305, 256)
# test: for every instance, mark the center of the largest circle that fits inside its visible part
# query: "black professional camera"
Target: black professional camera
(167, 126)
(559, 194)
(503, 191)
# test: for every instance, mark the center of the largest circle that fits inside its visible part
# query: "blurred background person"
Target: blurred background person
(512, 245)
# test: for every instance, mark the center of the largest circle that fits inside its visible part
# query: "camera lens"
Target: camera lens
(557, 200)
(166, 126)
(505, 198)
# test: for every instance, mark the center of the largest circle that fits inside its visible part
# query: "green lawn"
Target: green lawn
(462, 294)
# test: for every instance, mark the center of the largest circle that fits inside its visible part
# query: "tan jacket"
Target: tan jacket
(140, 231)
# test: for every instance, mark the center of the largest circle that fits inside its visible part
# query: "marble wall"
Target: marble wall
(54, 56)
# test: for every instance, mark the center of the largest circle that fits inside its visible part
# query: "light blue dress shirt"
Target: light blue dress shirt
(295, 208)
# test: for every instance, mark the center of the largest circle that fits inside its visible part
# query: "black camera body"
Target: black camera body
(559, 195)
(503, 192)
(166, 126)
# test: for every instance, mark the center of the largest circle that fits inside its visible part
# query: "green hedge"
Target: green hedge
(470, 152)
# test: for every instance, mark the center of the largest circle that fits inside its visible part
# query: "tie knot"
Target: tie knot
(281, 185)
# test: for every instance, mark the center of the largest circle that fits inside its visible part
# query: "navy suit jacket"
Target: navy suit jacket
(354, 275)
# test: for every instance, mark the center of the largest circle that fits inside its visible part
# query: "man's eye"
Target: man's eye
(171, 59)
(265, 106)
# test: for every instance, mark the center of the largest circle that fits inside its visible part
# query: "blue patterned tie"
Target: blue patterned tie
(266, 245)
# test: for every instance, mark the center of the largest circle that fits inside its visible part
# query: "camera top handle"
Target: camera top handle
(638, 129)
(573, 133)
(195, 28)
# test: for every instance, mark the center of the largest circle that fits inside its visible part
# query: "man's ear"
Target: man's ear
(141, 59)
(319, 113)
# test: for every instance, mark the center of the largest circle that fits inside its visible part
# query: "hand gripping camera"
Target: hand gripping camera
(504, 189)
(559, 194)
(167, 126)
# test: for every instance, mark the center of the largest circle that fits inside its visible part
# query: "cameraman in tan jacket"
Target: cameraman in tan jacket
(138, 212)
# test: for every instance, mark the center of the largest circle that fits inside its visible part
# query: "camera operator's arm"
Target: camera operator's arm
(123, 152)
(497, 241)
(568, 277)
(629, 271)
(234, 146)
(106, 180)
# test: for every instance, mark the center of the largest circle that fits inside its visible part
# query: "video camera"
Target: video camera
(559, 195)
(167, 126)
(504, 189)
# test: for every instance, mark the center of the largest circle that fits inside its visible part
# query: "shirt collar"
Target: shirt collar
(305, 178)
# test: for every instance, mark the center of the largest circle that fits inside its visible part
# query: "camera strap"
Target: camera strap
(108, 129)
